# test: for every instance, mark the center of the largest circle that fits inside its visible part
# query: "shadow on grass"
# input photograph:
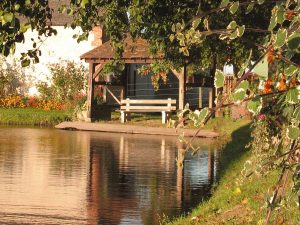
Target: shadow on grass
(234, 149)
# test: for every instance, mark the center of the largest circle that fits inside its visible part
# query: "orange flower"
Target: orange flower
(282, 84)
(270, 56)
(293, 82)
(290, 15)
(268, 86)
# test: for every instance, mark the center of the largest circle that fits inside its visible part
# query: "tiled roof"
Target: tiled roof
(57, 18)
(138, 49)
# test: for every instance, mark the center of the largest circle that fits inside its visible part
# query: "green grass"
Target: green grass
(34, 117)
(222, 125)
(141, 119)
(232, 203)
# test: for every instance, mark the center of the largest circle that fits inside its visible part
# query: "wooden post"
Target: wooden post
(90, 92)
(122, 93)
(200, 98)
(210, 98)
(181, 94)
(219, 112)
(163, 117)
(104, 94)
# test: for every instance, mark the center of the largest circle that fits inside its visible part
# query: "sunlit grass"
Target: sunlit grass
(34, 117)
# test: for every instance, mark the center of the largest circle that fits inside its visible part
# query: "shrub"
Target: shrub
(66, 82)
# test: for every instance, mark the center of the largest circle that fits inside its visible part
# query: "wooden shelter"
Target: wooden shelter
(135, 52)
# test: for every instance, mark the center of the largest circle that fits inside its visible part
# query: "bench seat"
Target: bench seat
(165, 106)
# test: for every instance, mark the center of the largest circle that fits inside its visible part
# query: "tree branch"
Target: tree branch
(283, 171)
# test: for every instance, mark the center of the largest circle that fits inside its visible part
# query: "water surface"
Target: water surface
(51, 176)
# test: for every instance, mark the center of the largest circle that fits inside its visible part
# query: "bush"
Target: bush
(67, 81)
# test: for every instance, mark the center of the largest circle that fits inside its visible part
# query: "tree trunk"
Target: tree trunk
(212, 72)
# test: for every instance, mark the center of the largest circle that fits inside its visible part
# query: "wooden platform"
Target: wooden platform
(133, 129)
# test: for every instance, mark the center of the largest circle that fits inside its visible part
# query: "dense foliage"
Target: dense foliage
(66, 82)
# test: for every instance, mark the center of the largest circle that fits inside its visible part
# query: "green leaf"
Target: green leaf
(293, 132)
(296, 114)
(219, 79)
(173, 28)
(250, 8)
(273, 22)
(260, 2)
(290, 71)
(294, 41)
(196, 22)
(17, 7)
(185, 51)
(24, 27)
(172, 37)
(178, 26)
(180, 36)
(280, 38)
(254, 106)
(234, 7)
(224, 3)
(25, 62)
(245, 64)
(232, 25)
(223, 36)
(198, 117)
(243, 86)
(234, 35)
(241, 30)
(7, 18)
(205, 22)
(203, 113)
(83, 3)
(292, 96)
(281, 15)
(239, 96)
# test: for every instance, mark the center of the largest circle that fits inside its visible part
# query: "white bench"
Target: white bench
(165, 106)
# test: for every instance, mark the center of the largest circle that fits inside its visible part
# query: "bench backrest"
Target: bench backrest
(148, 104)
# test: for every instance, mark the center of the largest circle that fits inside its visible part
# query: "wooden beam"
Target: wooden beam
(90, 92)
(200, 98)
(149, 101)
(128, 61)
(98, 70)
(112, 94)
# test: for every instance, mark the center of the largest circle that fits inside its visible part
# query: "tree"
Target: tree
(66, 81)
(12, 78)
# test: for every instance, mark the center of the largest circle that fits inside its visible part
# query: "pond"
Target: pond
(50, 176)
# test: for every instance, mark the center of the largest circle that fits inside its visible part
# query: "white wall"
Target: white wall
(54, 50)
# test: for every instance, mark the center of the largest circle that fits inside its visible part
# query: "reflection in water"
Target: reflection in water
(61, 177)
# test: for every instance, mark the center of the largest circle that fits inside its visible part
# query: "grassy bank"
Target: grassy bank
(232, 203)
(33, 117)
